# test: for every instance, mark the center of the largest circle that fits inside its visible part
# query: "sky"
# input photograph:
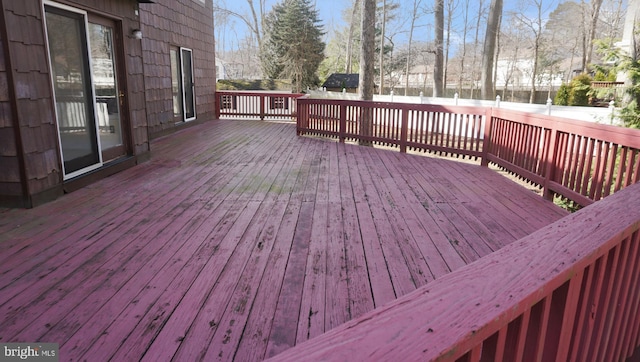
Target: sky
(230, 34)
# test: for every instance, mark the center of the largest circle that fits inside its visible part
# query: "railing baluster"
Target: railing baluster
(632, 316)
(564, 157)
(569, 316)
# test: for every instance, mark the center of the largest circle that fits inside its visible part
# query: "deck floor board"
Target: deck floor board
(240, 239)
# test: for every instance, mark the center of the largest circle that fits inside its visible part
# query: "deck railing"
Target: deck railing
(256, 104)
(569, 292)
(579, 161)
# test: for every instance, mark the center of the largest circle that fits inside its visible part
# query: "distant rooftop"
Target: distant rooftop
(342, 80)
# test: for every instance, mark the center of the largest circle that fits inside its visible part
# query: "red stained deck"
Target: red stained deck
(240, 239)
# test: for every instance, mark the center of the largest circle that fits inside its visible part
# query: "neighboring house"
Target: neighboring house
(517, 73)
(85, 85)
(420, 76)
(339, 81)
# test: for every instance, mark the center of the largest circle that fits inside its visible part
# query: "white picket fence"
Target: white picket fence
(601, 115)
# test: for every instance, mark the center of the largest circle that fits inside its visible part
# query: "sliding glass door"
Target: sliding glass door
(86, 88)
(73, 90)
(109, 97)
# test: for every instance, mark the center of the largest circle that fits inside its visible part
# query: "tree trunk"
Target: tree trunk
(445, 67)
(595, 12)
(438, 67)
(463, 54)
(414, 14)
(256, 24)
(493, 27)
(475, 49)
(583, 65)
(383, 24)
(367, 53)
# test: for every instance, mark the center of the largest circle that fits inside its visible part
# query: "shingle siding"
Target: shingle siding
(183, 23)
(30, 160)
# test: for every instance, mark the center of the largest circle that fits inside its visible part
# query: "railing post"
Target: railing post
(218, 105)
(303, 117)
(263, 99)
(404, 130)
(612, 108)
(343, 123)
(486, 138)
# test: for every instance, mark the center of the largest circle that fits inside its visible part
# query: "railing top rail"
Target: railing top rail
(262, 93)
(452, 314)
(397, 105)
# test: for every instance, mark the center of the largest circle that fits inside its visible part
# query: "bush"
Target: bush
(562, 97)
(630, 112)
(580, 88)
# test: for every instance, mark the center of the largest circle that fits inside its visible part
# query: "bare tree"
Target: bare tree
(253, 21)
(611, 20)
(593, 24)
(563, 34)
(493, 28)
(438, 68)
(414, 16)
(451, 9)
(383, 25)
(348, 67)
(463, 51)
(535, 26)
(512, 38)
(476, 46)
(365, 83)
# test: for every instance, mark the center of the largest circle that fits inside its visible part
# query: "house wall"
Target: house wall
(181, 23)
(9, 164)
(30, 160)
(29, 156)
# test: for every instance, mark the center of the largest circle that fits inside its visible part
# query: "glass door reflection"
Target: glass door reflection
(73, 92)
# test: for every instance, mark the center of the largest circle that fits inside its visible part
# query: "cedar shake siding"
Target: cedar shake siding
(29, 156)
(170, 24)
(32, 170)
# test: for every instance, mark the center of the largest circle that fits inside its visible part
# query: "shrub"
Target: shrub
(580, 87)
(562, 97)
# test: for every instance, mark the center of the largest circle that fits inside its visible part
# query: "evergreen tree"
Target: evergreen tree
(292, 44)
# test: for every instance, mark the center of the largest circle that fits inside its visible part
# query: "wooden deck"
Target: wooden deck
(240, 239)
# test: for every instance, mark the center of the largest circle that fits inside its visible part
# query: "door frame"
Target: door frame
(191, 83)
(89, 67)
(120, 73)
